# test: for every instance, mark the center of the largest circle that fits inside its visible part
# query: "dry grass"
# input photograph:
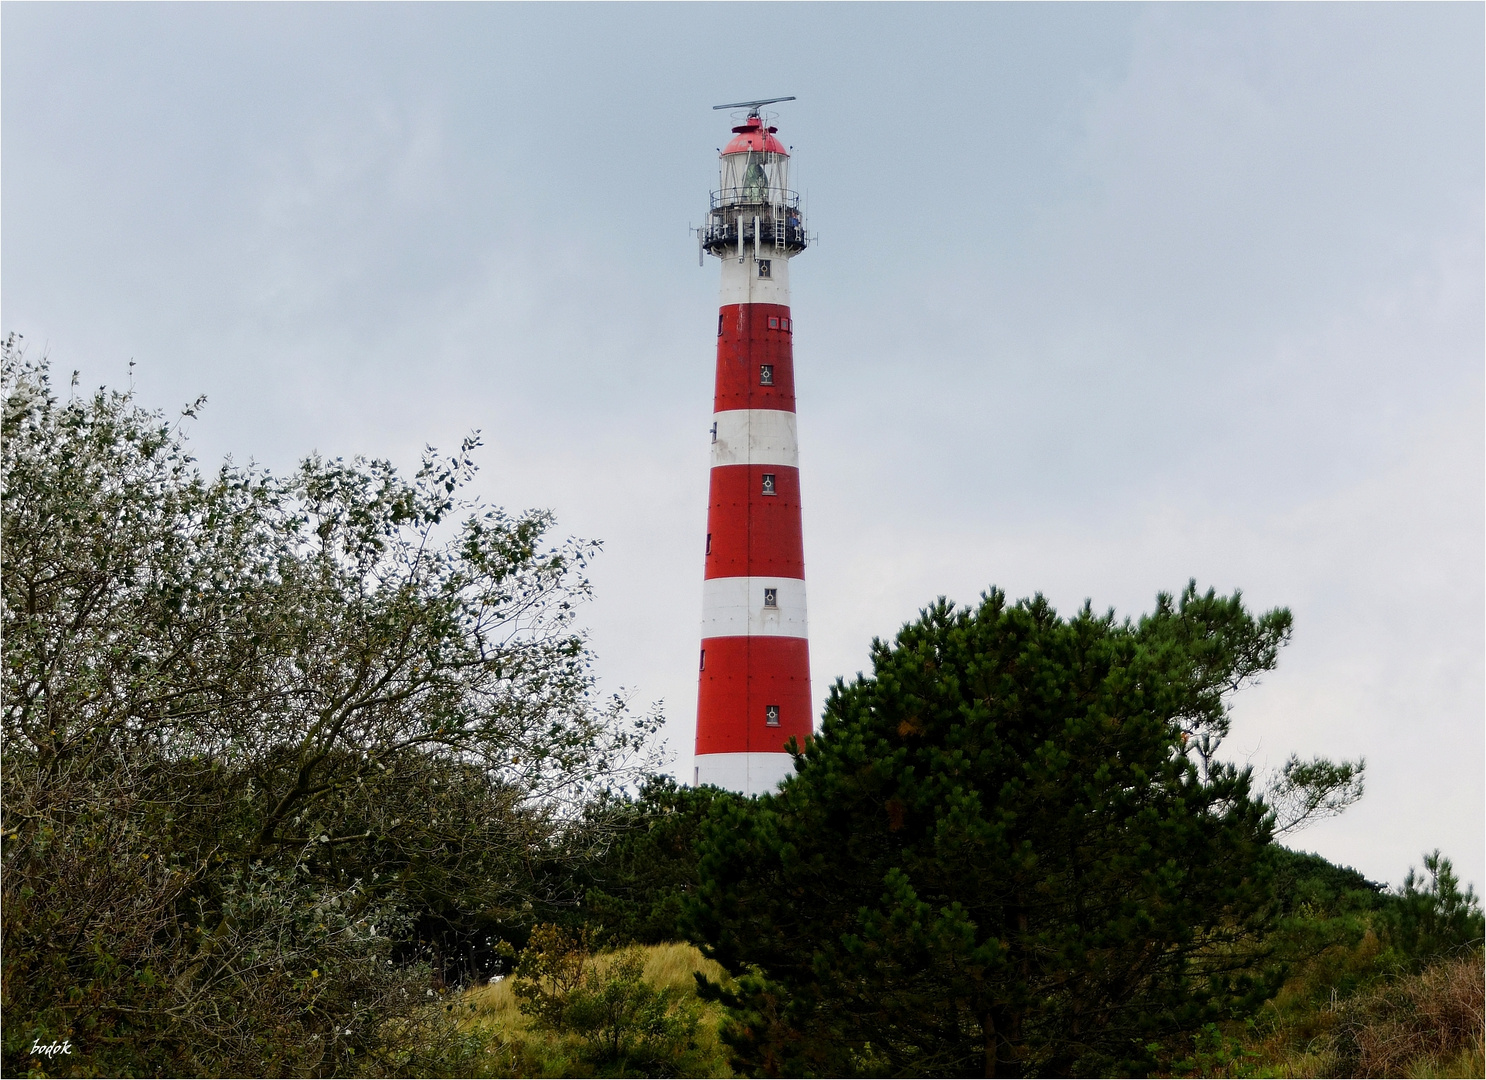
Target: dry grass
(491, 1013)
(671, 964)
(1425, 1025)
(675, 964)
(1431, 1021)
(1465, 1065)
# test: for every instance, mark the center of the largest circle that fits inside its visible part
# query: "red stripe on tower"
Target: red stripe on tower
(754, 691)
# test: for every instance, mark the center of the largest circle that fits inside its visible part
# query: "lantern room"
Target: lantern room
(754, 167)
(753, 206)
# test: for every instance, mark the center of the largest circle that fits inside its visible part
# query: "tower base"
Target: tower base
(748, 774)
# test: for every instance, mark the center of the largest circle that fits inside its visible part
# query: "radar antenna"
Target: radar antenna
(753, 106)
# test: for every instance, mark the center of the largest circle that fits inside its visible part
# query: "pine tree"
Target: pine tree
(1009, 851)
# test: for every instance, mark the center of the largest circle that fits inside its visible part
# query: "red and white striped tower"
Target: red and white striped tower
(754, 689)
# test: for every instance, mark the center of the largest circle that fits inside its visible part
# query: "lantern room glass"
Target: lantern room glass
(754, 177)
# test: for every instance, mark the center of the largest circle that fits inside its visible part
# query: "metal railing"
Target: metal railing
(752, 197)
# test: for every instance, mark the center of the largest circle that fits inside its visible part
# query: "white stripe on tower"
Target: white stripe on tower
(755, 437)
(752, 774)
(739, 607)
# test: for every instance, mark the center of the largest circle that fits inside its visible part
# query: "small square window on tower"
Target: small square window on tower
(764, 268)
(719, 324)
(771, 598)
(702, 666)
(771, 715)
(766, 375)
(709, 545)
(773, 322)
(768, 483)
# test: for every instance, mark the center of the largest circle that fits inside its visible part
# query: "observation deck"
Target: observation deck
(738, 218)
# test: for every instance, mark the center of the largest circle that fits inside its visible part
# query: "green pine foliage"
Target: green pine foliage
(639, 881)
(1010, 850)
(1428, 919)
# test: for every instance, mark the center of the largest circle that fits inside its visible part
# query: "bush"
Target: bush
(621, 1023)
(641, 879)
(1381, 983)
(1426, 920)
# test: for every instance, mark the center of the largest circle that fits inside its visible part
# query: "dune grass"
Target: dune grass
(513, 1046)
(1424, 1025)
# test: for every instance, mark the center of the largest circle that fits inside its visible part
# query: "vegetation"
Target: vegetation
(638, 888)
(1367, 994)
(1011, 848)
(309, 775)
(652, 1022)
(271, 746)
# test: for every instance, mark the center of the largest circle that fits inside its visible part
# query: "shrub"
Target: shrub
(621, 1023)
(1426, 920)
(640, 881)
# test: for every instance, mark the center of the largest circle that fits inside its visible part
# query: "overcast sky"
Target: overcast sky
(1105, 298)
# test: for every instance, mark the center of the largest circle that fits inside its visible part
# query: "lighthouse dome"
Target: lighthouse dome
(753, 136)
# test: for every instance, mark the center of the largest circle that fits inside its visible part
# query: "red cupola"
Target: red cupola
(752, 136)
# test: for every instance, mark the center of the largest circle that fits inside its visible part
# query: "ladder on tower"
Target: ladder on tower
(781, 229)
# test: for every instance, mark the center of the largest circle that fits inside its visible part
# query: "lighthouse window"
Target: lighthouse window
(771, 715)
(771, 598)
(766, 375)
(719, 324)
(714, 431)
(768, 483)
(709, 544)
(703, 665)
(773, 322)
(764, 267)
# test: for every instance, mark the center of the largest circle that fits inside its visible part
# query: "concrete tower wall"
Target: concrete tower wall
(754, 678)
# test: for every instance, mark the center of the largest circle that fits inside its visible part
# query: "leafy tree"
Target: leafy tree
(1011, 849)
(255, 727)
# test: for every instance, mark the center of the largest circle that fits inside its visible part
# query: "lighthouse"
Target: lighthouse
(754, 665)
